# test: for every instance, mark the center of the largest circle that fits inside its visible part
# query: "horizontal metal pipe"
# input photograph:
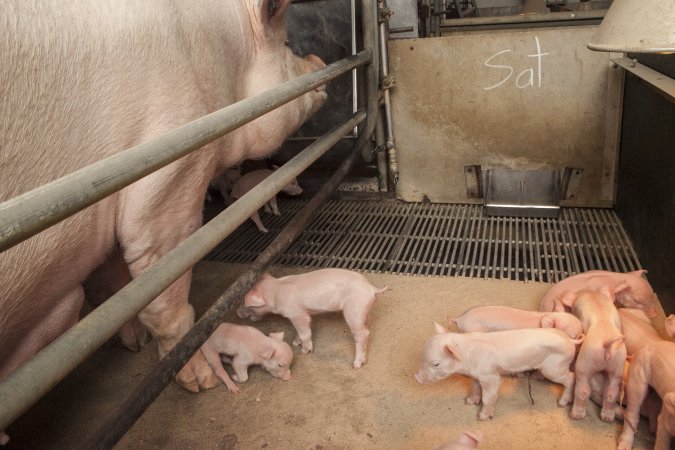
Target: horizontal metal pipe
(128, 412)
(32, 212)
(524, 19)
(35, 378)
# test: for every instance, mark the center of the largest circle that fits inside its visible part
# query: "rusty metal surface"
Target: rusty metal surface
(525, 99)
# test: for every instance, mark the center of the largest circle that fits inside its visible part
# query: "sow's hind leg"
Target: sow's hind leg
(146, 238)
(104, 282)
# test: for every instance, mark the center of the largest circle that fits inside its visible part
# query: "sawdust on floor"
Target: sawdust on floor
(327, 404)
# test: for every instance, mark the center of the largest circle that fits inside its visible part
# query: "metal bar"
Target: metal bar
(617, 245)
(524, 19)
(35, 378)
(369, 26)
(576, 237)
(36, 210)
(110, 432)
(662, 83)
(628, 244)
(384, 68)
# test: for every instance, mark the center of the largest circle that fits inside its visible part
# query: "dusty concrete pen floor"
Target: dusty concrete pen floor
(326, 404)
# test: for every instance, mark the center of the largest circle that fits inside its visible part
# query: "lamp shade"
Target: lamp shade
(637, 26)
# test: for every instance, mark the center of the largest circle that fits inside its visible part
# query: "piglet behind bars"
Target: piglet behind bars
(244, 346)
(485, 357)
(298, 297)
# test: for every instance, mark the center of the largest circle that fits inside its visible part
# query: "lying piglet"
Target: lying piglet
(465, 441)
(250, 180)
(485, 357)
(244, 346)
(501, 318)
(298, 297)
(652, 366)
(603, 351)
(629, 289)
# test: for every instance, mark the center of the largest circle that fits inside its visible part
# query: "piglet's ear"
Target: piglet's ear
(450, 352)
(253, 300)
(470, 438)
(279, 336)
(547, 321)
(621, 287)
(440, 329)
(640, 273)
(267, 353)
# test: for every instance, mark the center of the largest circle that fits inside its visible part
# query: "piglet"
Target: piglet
(485, 357)
(652, 366)
(603, 351)
(501, 318)
(250, 180)
(298, 297)
(630, 289)
(244, 346)
(224, 183)
(467, 440)
(637, 329)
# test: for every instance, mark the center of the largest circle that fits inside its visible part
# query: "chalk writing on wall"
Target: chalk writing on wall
(527, 77)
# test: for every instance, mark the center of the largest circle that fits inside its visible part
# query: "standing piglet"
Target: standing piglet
(630, 289)
(501, 318)
(603, 351)
(485, 357)
(652, 366)
(299, 297)
(252, 179)
(245, 346)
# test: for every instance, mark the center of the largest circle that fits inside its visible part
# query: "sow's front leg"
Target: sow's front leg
(148, 230)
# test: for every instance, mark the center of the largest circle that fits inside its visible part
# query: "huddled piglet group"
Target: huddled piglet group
(592, 332)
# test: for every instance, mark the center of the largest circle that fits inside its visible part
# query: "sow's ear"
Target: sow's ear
(253, 300)
(274, 9)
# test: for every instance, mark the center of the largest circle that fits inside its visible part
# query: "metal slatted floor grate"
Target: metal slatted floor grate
(438, 240)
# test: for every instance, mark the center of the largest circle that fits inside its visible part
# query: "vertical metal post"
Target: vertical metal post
(369, 26)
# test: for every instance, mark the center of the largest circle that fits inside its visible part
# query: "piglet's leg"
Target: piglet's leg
(475, 396)
(663, 437)
(302, 324)
(490, 387)
(213, 358)
(258, 223)
(636, 392)
(582, 392)
(356, 316)
(559, 373)
(240, 370)
(610, 397)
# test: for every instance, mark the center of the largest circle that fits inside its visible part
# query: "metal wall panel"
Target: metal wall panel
(523, 99)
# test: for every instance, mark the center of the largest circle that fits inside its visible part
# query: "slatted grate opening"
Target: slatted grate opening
(438, 240)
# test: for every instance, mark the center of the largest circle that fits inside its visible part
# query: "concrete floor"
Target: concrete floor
(327, 404)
